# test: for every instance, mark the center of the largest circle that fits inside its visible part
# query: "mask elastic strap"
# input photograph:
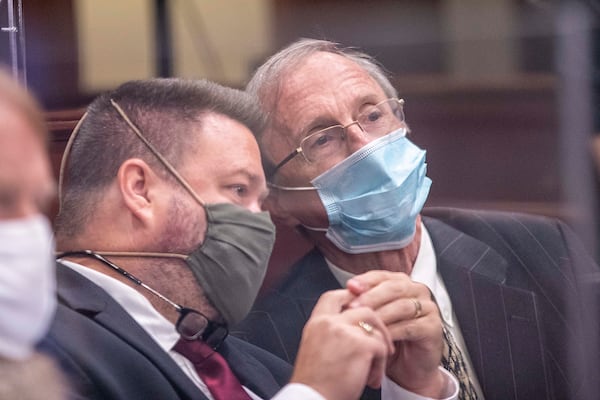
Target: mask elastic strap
(314, 228)
(154, 151)
(142, 254)
(66, 153)
(290, 188)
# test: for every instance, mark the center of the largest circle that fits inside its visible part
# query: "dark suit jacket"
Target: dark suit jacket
(516, 283)
(107, 355)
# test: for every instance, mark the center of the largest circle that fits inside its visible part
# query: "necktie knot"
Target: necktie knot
(194, 350)
(213, 369)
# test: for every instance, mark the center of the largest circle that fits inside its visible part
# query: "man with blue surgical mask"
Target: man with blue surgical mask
(344, 173)
(27, 282)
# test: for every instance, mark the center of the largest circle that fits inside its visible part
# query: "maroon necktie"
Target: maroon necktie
(212, 369)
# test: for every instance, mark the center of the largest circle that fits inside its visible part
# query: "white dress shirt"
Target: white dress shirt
(163, 332)
(425, 272)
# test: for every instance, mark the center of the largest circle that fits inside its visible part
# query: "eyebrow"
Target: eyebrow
(318, 123)
(327, 121)
(244, 172)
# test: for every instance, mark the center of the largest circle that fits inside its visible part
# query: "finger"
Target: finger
(380, 359)
(397, 287)
(333, 302)
(377, 372)
(361, 283)
(381, 343)
(403, 309)
(414, 330)
(344, 352)
(407, 321)
(357, 316)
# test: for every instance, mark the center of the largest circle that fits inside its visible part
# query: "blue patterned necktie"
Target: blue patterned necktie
(454, 362)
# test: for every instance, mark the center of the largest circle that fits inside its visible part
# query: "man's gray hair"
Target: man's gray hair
(268, 77)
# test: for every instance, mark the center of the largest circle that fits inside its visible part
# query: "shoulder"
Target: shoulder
(535, 242)
(491, 225)
(100, 348)
(465, 217)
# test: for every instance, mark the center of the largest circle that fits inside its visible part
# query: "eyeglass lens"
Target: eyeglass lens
(192, 325)
(378, 120)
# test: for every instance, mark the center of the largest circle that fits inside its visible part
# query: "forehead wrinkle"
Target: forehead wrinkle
(331, 89)
(309, 92)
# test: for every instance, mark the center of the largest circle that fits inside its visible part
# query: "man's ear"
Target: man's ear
(136, 182)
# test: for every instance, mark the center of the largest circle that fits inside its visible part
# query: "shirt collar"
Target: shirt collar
(137, 306)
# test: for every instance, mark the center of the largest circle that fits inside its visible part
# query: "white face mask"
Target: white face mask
(27, 284)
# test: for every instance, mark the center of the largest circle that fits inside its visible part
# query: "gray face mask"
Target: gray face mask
(231, 263)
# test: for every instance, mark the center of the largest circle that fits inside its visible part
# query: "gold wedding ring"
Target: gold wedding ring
(418, 308)
(367, 327)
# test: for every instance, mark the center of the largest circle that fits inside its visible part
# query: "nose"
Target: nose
(255, 207)
(356, 137)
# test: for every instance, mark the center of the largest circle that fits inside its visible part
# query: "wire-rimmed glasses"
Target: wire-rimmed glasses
(376, 120)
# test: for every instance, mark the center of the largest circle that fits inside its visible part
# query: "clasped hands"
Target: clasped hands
(383, 323)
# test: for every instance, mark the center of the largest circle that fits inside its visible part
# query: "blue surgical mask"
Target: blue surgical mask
(373, 197)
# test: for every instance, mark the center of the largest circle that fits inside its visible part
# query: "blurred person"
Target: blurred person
(344, 173)
(163, 246)
(27, 299)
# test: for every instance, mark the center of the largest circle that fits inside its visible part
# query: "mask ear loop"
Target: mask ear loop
(63, 161)
(152, 149)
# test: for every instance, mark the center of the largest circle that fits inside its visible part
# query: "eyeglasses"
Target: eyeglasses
(377, 120)
(191, 324)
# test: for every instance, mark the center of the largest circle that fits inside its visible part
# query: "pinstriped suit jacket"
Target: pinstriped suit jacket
(522, 288)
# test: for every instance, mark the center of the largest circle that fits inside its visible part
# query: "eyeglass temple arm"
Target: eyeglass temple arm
(285, 161)
(120, 270)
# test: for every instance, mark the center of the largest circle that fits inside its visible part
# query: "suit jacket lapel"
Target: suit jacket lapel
(498, 322)
(85, 297)
(312, 279)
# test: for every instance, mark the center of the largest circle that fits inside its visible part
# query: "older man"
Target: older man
(343, 172)
(164, 245)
